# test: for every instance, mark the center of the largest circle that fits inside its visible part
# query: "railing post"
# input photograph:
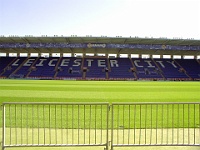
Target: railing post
(107, 130)
(3, 126)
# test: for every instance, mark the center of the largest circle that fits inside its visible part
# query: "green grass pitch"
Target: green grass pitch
(99, 91)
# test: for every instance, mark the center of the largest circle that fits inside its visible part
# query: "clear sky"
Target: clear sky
(151, 18)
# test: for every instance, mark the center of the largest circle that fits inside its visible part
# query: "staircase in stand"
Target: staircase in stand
(159, 68)
(134, 73)
(184, 71)
(8, 65)
(56, 67)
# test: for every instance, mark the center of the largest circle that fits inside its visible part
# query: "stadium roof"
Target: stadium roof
(105, 40)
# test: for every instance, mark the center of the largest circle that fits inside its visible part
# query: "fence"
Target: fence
(55, 124)
(88, 124)
(155, 124)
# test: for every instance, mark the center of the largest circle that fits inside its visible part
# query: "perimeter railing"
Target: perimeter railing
(88, 124)
(55, 124)
(155, 124)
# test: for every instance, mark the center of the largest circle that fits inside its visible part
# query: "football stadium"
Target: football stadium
(99, 92)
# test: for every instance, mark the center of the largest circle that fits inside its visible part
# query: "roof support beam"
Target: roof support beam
(180, 42)
(24, 39)
(12, 39)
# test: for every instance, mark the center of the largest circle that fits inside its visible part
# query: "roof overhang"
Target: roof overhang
(105, 40)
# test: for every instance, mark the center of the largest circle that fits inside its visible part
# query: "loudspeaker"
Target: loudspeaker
(70, 70)
(106, 69)
(84, 69)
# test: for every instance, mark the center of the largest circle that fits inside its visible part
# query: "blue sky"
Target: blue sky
(151, 18)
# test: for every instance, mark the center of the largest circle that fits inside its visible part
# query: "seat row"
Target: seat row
(105, 68)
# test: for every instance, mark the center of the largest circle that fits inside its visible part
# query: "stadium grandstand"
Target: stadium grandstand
(99, 58)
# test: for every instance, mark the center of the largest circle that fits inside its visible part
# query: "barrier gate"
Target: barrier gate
(55, 124)
(88, 124)
(155, 124)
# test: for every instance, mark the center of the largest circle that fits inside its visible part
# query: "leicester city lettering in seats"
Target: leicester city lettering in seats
(52, 62)
(16, 62)
(67, 62)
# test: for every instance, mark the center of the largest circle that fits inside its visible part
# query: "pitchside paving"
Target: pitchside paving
(99, 148)
(99, 91)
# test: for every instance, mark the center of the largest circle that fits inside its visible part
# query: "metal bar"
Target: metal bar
(162, 123)
(61, 119)
(21, 125)
(118, 125)
(90, 122)
(199, 120)
(44, 124)
(107, 128)
(157, 124)
(123, 123)
(101, 125)
(167, 123)
(32, 124)
(56, 139)
(112, 126)
(134, 121)
(84, 124)
(38, 124)
(4, 126)
(145, 135)
(188, 124)
(78, 121)
(172, 124)
(57, 103)
(151, 126)
(194, 125)
(178, 125)
(67, 120)
(143, 145)
(97, 103)
(140, 124)
(152, 103)
(72, 124)
(10, 121)
(49, 124)
(27, 114)
(53, 145)
(183, 125)
(129, 125)
(95, 124)
(15, 125)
